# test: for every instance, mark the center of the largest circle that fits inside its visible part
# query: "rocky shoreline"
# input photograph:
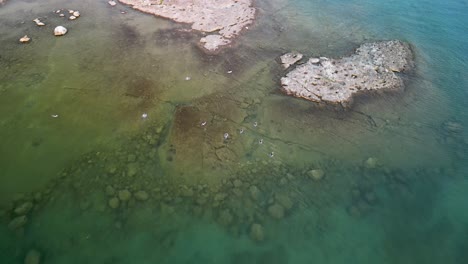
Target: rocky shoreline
(222, 19)
(374, 67)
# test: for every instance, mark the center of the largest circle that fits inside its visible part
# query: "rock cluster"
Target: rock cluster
(374, 67)
(225, 17)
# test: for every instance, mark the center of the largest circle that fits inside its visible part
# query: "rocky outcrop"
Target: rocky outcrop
(224, 18)
(374, 67)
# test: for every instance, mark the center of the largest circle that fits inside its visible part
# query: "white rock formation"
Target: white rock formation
(225, 17)
(374, 67)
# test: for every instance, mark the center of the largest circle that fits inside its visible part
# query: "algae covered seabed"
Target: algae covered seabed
(196, 197)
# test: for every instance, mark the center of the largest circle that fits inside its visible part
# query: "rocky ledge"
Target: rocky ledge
(225, 19)
(374, 67)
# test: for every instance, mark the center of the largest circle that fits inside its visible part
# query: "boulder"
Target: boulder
(257, 232)
(114, 203)
(141, 196)
(60, 31)
(32, 257)
(276, 211)
(125, 195)
(18, 222)
(24, 208)
(316, 174)
(371, 163)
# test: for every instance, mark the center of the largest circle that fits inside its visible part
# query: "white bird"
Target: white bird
(54, 116)
(203, 123)
(271, 154)
(255, 124)
(226, 136)
(260, 141)
(241, 131)
(144, 115)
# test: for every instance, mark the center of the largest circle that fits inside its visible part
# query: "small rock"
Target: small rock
(141, 196)
(18, 222)
(257, 232)
(24, 208)
(276, 211)
(72, 17)
(25, 39)
(317, 174)
(32, 257)
(314, 60)
(76, 14)
(110, 191)
(60, 31)
(125, 195)
(371, 163)
(38, 22)
(62, 15)
(112, 3)
(114, 203)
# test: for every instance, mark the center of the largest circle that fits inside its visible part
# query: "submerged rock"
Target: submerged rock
(371, 163)
(289, 59)
(125, 195)
(225, 17)
(276, 211)
(373, 67)
(141, 196)
(32, 257)
(18, 222)
(114, 203)
(257, 232)
(316, 175)
(60, 31)
(24, 208)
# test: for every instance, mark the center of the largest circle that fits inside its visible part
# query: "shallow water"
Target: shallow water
(205, 192)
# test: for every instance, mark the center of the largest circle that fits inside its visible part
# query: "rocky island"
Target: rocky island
(373, 67)
(223, 19)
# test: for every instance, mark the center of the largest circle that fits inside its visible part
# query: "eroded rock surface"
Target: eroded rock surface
(225, 17)
(374, 66)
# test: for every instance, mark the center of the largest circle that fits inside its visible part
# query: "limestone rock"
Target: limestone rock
(226, 17)
(125, 195)
(372, 68)
(289, 59)
(18, 222)
(33, 257)
(24, 208)
(141, 196)
(316, 174)
(114, 203)
(257, 232)
(213, 42)
(38, 22)
(25, 39)
(276, 211)
(60, 31)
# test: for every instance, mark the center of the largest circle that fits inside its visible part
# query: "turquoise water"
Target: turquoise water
(197, 198)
